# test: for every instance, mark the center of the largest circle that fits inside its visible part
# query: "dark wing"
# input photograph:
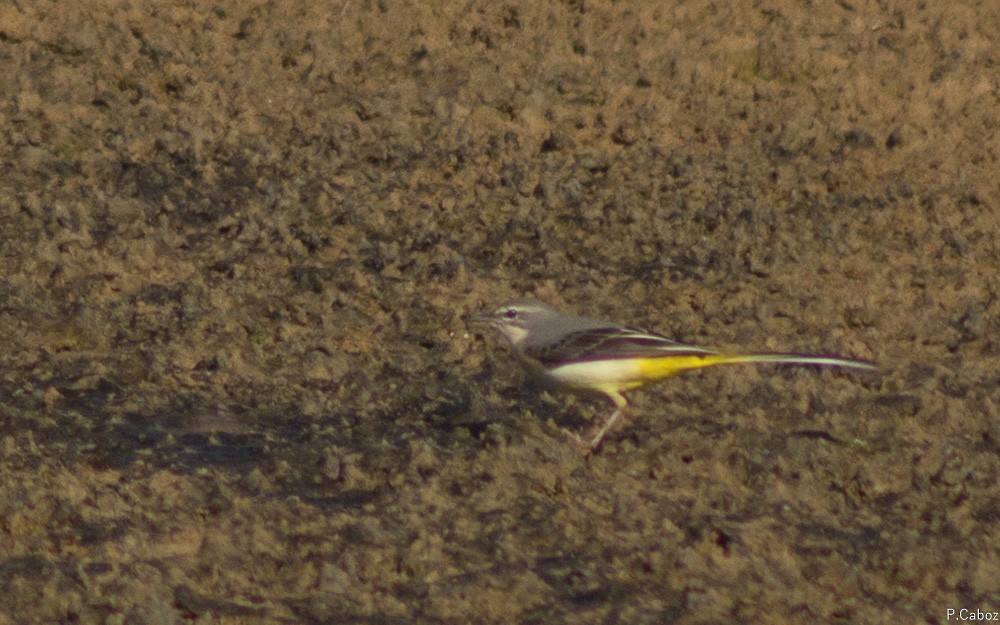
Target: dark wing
(609, 343)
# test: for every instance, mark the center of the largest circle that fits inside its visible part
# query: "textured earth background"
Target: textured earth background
(238, 239)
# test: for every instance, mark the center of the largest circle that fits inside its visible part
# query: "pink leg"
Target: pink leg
(620, 406)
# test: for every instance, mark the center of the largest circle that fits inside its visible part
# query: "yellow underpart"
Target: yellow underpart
(653, 369)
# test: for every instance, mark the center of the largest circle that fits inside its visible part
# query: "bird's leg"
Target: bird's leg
(620, 406)
(571, 434)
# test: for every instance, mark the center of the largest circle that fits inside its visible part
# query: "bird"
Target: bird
(582, 353)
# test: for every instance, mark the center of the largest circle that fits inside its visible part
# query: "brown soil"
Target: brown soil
(238, 239)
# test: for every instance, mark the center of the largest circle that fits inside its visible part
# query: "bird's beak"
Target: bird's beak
(479, 319)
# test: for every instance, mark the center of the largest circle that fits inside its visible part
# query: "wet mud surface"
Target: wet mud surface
(238, 241)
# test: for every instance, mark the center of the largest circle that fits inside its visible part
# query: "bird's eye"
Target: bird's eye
(511, 313)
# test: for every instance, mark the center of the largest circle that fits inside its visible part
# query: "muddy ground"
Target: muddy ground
(238, 240)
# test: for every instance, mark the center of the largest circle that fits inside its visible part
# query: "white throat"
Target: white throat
(514, 334)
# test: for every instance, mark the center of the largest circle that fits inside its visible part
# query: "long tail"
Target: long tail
(665, 366)
(791, 359)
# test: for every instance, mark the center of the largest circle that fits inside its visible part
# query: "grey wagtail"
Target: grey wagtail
(589, 354)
